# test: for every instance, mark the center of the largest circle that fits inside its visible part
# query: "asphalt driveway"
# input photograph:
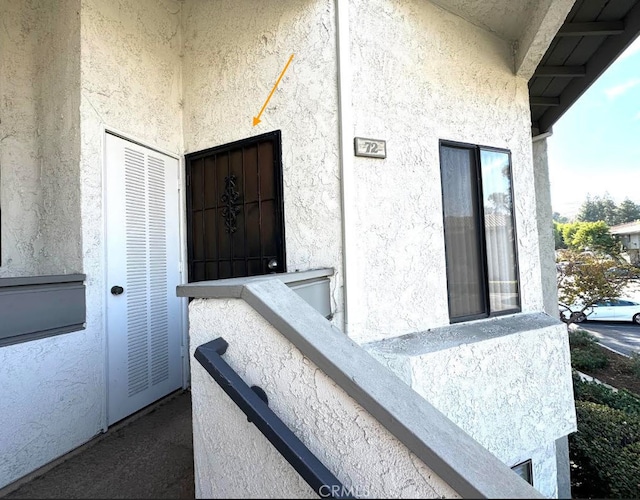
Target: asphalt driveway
(622, 337)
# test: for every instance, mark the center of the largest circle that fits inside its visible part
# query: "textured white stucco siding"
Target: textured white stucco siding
(512, 394)
(421, 74)
(51, 389)
(39, 137)
(234, 52)
(352, 444)
(59, 126)
(69, 70)
(52, 399)
(20, 189)
(545, 227)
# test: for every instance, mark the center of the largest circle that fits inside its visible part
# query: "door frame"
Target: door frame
(104, 130)
(276, 136)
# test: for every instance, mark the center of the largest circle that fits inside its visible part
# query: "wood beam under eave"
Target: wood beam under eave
(596, 28)
(544, 101)
(610, 49)
(560, 71)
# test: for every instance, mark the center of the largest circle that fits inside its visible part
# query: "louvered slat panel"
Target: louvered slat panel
(159, 324)
(136, 221)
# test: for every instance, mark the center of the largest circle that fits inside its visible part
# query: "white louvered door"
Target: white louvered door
(144, 324)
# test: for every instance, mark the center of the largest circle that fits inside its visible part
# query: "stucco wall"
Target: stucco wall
(39, 183)
(70, 68)
(234, 52)
(545, 227)
(51, 389)
(59, 135)
(350, 443)
(53, 402)
(20, 189)
(421, 74)
(506, 382)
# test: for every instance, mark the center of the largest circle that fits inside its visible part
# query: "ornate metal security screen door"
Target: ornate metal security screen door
(235, 220)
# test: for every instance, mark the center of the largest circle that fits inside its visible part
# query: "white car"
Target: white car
(609, 310)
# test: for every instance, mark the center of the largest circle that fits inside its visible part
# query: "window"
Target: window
(525, 471)
(482, 274)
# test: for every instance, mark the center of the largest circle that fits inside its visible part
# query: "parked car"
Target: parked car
(606, 310)
(624, 272)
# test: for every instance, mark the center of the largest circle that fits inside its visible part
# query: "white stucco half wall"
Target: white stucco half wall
(505, 381)
(346, 438)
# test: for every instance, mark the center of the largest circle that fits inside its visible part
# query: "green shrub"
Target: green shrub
(588, 358)
(605, 452)
(581, 338)
(586, 354)
(601, 394)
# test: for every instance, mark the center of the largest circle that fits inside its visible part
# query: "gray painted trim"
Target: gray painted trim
(450, 336)
(563, 466)
(452, 454)
(232, 287)
(41, 280)
(37, 307)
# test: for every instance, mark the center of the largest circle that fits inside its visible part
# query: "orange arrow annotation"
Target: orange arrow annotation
(256, 119)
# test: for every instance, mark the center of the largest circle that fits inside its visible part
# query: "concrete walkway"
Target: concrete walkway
(149, 455)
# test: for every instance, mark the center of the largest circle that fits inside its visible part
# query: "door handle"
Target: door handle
(273, 264)
(116, 290)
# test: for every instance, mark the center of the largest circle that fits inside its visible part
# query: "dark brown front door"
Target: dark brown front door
(235, 220)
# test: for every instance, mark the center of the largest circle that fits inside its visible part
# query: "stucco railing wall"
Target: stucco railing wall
(379, 437)
(505, 380)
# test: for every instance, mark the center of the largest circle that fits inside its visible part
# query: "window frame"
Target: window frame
(481, 231)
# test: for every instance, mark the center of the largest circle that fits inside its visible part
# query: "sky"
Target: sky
(595, 146)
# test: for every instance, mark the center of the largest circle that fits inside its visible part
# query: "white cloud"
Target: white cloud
(618, 90)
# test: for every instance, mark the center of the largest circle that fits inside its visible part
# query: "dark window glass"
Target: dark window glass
(462, 238)
(482, 276)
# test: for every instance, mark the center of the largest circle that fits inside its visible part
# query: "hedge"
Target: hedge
(601, 394)
(605, 451)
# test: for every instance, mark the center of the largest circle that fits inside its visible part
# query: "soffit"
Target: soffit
(593, 35)
(506, 18)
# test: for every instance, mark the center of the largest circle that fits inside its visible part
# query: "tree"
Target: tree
(585, 278)
(557, 236)
(598, 208)
(559, 218)
(594, 236)
(568, 230)
(627, 211)
(586, 236)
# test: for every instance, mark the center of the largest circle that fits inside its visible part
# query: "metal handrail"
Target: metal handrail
(317, 476)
